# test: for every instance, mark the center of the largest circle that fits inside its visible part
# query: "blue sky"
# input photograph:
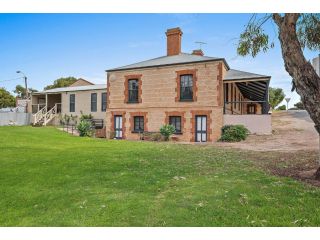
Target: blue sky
(48, 46)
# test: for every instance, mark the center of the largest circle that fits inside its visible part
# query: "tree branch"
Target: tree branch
(277, 18)
(292, 17)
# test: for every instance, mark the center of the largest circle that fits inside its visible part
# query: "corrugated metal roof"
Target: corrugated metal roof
(182, 58)
(233, 74)
(73, 89)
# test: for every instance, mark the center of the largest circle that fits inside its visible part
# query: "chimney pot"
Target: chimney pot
(174, 36)
(197, 52)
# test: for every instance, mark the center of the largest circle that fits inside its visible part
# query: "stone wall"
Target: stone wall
(159, 92)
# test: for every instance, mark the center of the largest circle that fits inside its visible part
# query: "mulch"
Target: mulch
(300, 165)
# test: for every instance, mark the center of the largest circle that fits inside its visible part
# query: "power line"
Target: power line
(12, 79)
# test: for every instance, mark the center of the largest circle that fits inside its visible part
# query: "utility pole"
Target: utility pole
(25, 84)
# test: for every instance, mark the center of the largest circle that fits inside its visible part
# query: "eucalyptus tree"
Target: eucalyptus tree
(296, 31)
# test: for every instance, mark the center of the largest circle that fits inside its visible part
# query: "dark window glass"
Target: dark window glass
(72, 106)
(176, 122)
(133, 89)
(138, 124)
(93, 102)
(186, 87)
(103, 102)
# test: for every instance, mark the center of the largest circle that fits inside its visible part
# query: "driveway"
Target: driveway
(292, 131)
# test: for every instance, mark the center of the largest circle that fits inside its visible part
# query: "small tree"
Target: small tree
(21, 91)
(282, 108)
(6, 99)
(276, 96)
(61, 82)
(167, 130)
(299, 105)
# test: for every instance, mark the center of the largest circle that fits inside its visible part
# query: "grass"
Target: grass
(49, 178)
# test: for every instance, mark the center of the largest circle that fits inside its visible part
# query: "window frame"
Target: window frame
(190, 87)
(93, 104)
(72, 102)
(103, 102)
(136, 100)
(140, 121)
(177, 131)
(179, 73)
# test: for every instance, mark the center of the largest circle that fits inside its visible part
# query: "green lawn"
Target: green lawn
(49, 178)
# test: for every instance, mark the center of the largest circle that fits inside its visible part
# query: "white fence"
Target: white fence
(15, 118)
(256, 124)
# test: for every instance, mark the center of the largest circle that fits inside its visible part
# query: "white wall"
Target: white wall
(256, 124)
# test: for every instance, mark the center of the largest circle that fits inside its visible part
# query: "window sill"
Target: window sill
(186, 100)
(132, 102)
(178, 133)
(137, 132)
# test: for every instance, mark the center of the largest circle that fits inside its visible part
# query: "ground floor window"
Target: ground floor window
(138, 124)
(176, 122)
(72, 105)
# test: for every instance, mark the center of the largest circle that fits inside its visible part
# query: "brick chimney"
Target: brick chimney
(197, 52)
(173, 41)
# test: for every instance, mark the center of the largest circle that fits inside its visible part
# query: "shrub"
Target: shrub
(112, 135)
(234, 133)
(85, 129)
(156, 137)
(152, 136)
(282, 107)
(166, 131)
(85, 117)
(66, 119)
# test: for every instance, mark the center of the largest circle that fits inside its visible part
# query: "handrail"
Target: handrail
(39, 115)
(50, 114)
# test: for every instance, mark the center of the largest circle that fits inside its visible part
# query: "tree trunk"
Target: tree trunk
(305, 79)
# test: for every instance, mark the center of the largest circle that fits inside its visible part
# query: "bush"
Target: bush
(282, 107)
(156, 137)
(85, 117)
(234, 133)
(112, 135)
(152, 136)
(85, 129)
(166, 131)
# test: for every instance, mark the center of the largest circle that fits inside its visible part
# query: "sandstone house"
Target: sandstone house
(195, 93)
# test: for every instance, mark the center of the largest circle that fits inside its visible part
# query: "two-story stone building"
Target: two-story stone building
(195, 93)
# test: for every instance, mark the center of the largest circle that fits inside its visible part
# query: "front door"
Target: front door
(118, 126)
(201, 128)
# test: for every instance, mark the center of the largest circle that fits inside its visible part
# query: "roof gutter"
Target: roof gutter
(171, 64)
(266, 78)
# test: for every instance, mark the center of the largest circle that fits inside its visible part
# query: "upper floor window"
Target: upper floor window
(138, 124)
(133, 88)
(103, 102)
(186, 87)
(176, 122)
(72, 105)
(93, 102)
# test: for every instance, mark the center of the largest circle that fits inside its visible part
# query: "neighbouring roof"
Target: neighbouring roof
(81, 82)
(233, 74)
(74, 89)
(182, 58)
